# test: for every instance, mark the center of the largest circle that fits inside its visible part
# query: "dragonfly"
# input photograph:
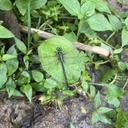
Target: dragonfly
(60, 57)
(62, 60)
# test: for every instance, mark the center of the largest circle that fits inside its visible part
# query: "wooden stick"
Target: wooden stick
(81, 46)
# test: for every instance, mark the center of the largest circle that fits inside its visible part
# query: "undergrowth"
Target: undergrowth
(24, 69)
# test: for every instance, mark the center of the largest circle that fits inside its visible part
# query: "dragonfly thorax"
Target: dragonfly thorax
(59, 53)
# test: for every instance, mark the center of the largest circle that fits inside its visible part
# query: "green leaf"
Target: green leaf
(23, 4)
(20, 45)
(114, 90)
(99, 22)
(37, 75)
(10, 87)
(10, 91)
(115, 22)
(114, 101)
(71, 37)
(72, 6)
(5, 5)
(39, 87)
(97, 100)
(92, 91)
(103, 110)
(108, 75)
(36, 4)
(113, 93)
(24, 78)
(99, 117)
(27, 90)
(17, 93)
(68, 93)
(73, 59)
(85, 86)
(87, 9)
(122, 66)
(6, 57)
(12, 50)
(26, 61)
(12, 64)
(101, 5)
(86, 75)
(124, 37)
(85, 28)
(5, 33)
(95, 117)
(104, 119)
(126, 22)
(50, 84)
(3, 74)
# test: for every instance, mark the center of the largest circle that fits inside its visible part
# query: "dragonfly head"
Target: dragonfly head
(59, 49)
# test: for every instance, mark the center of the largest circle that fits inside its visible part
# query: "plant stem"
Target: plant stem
(106, 43)
(39, 21)
(79, 27)
(110, 37)
(29, 24)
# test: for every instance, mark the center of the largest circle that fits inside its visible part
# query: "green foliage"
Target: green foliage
(34, 66)
(5, 33)
(108, 75)
(24, 78)
(115, 22)
(122, 119)
(47, 54)
(99, 114)
(88, 9)
(13, 63)
(99, 22)
(37, 76)
(27, 90)
(50, 84)
(3, 72)
(124, 36)
(113, 93)
(22, 5)
(97, 100)
(5, 5)
(101, 5)
(73, 9)
(10, 87)
(20, 45)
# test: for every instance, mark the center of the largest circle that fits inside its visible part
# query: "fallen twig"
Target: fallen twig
(95, 49)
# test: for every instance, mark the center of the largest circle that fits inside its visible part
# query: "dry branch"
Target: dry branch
(95, 49)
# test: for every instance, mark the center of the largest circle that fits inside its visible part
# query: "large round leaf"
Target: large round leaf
(73, 59)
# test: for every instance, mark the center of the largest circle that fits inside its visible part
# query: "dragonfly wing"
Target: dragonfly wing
(74, 65)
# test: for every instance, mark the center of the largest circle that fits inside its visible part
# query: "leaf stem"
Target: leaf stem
(110, 37)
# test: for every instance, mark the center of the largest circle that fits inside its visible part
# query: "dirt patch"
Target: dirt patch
(18, 113)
